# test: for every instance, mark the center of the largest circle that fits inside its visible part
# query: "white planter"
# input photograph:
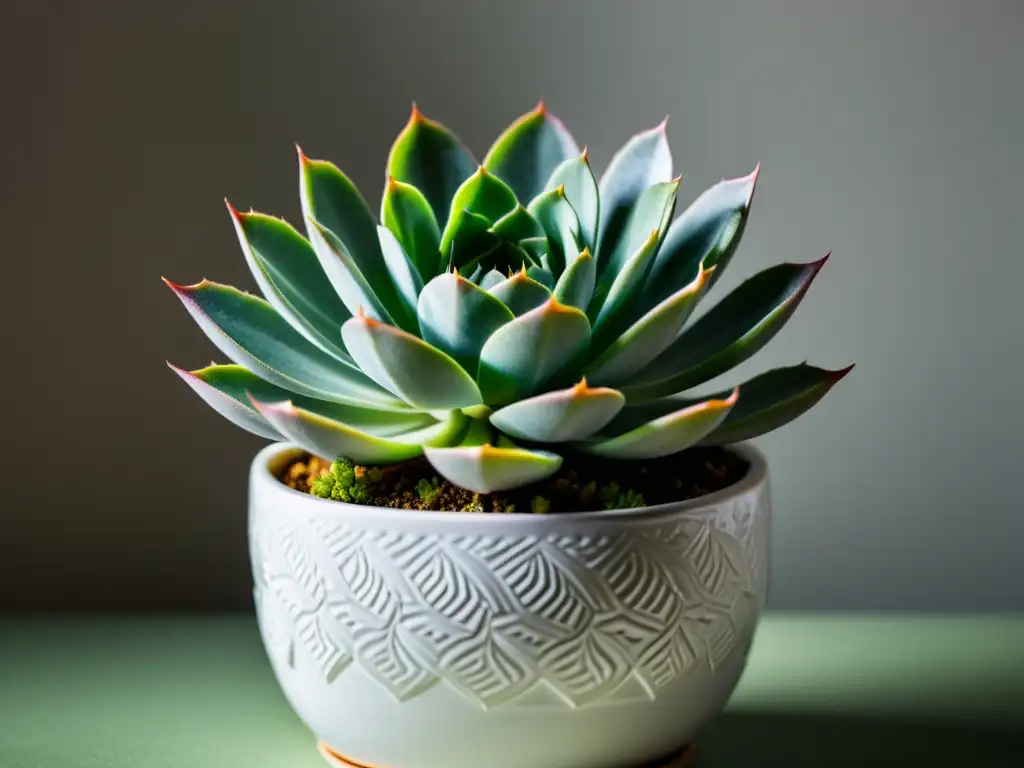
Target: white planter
(412, 639)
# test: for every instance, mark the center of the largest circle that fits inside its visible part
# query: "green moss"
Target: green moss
(540, 506)
(630, 499)
(427, 490)
(346, 482)
(474, 505)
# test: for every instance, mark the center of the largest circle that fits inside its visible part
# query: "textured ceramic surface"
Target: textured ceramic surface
(430, 640)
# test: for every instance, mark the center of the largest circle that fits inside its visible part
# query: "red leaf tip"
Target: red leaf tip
(841, 373)
(541, 108)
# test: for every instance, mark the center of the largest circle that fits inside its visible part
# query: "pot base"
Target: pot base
(681, 759)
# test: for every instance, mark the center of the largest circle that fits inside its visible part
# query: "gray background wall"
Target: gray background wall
(889, 132)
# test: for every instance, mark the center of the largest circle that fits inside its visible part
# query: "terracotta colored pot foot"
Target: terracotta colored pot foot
(682, 759)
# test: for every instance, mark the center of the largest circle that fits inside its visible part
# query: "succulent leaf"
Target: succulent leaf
(238, 412)
(561, 415)
(432, 159)
(330, 198)
(708, 233)
(517, 225)
(652, 211)
(407, 366)
(666, 434)
(576, 285)
(732, 331)
(649, 336)
(290, 277)
(536, 248)
(405, 211)
(554, 213)
(521, 355)
(236, 384)
(404, 272)
(542, 275)
(491, 279)
(327, 437)
(483, 194)
(471, 242)
(252, 334)
(457, 317)
(520, 293)
(611, 310)
(529, 150)
(642, 162)
(576, 177)
(487, 469)
(774, 399)
(345, 276)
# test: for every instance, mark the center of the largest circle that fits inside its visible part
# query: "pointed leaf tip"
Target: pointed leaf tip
(840, 374)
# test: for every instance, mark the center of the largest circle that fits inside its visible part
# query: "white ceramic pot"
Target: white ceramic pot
(412, 639)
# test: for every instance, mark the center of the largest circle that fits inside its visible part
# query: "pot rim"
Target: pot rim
(263, 478)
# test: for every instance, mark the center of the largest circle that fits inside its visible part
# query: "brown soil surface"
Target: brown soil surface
(583, 484)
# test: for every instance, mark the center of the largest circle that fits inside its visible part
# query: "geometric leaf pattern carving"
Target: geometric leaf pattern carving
(513, 620)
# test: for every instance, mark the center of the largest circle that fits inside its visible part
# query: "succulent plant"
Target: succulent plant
(501, 313)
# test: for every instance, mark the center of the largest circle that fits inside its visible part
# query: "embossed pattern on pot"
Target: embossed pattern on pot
(606, 618)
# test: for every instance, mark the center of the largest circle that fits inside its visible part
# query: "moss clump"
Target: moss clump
(347, 482)
(539, 505)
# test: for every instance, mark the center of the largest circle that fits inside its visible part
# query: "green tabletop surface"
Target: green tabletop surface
(820, 690)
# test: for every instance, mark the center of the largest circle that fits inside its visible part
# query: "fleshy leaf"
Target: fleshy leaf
(409, 367)
(241, 414)
(576, 285)
(486, 469)
(290, 277)
(346, 277)
(536, 248)
(707, 232)
(521, 355)
(491, 279)
(252, 334)
(472, 241)
(652, 211)
(483, 194)
(542, 275)
(517, 225)
(642, 162)
(520, 293)
(232, 385)
(529, 150)
(327, 438)
(645, 339)
(611, 310)
(560, 416)
(666, 434)
(330, 198)
(554, 213)
(774, 399)
(577, 178)
(432, 159)
(405, 211)
(457, 317)
(404, 273)
(733, 330)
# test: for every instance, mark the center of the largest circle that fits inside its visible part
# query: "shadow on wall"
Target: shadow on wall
(814, 741)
